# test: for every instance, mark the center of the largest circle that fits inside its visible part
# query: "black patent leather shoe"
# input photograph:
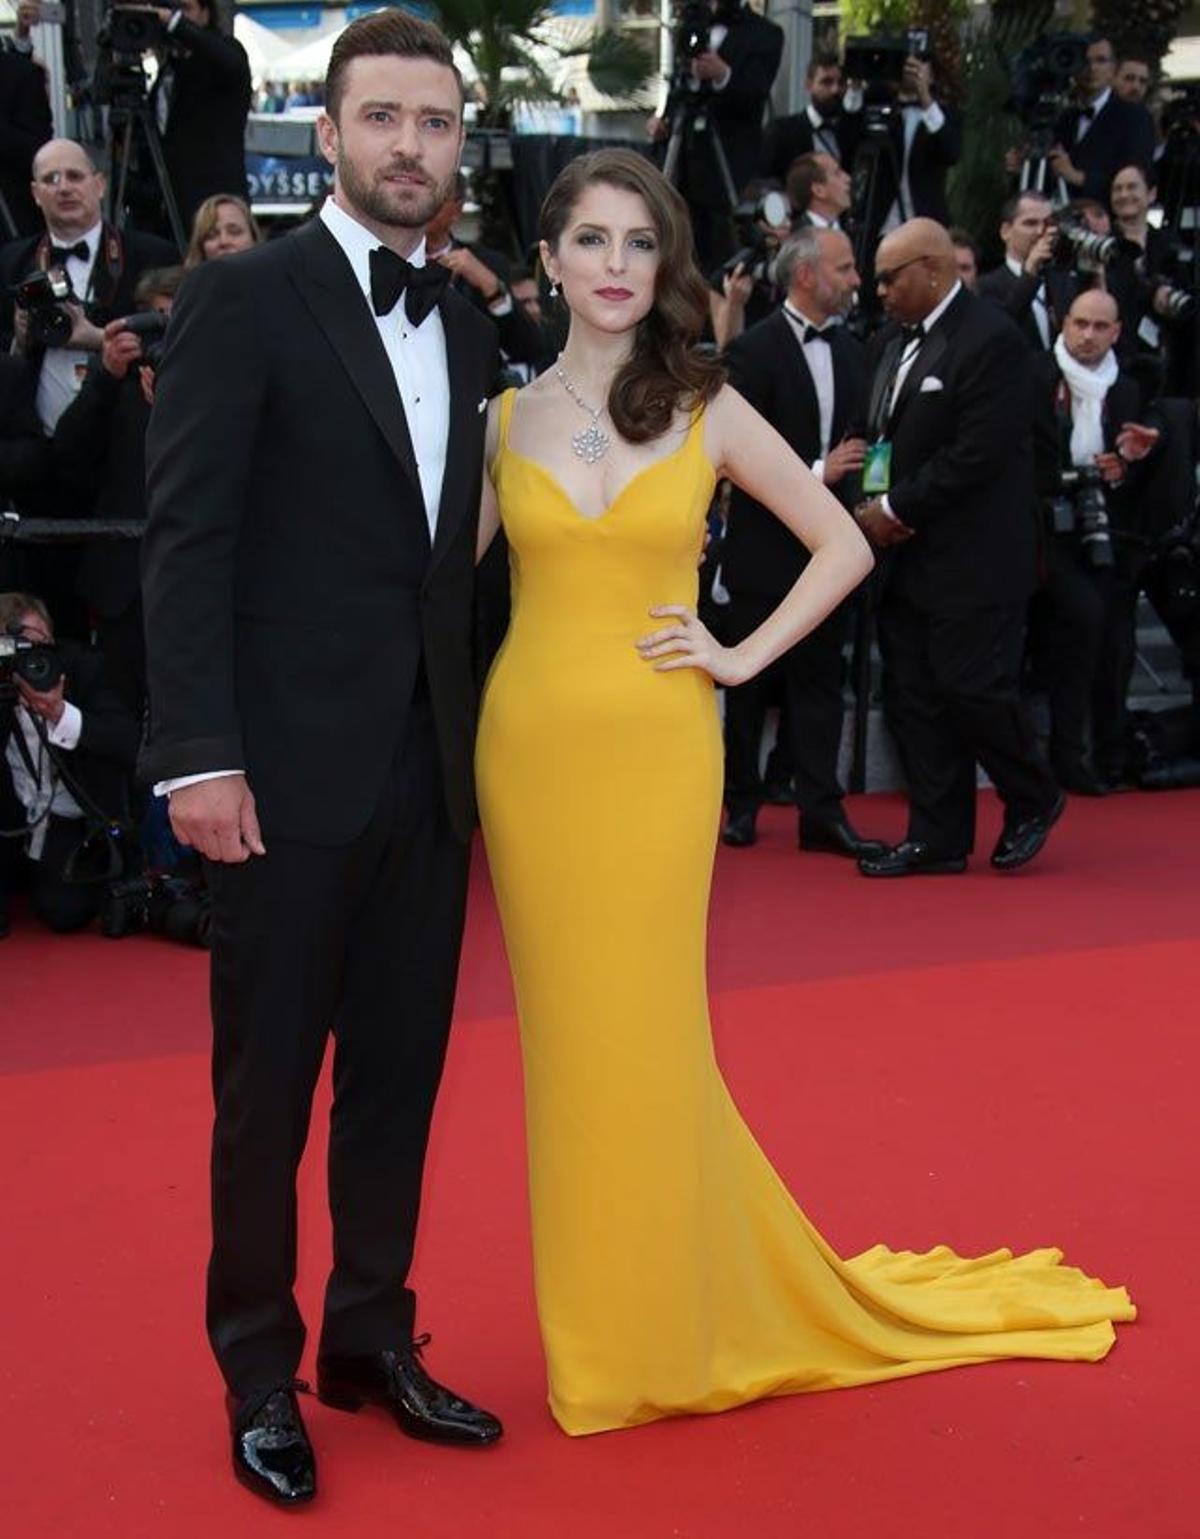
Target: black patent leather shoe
(397, 1381)
(740, 831)
(271, 1453)
(839, 837)
(912, 858)
(1018, 844)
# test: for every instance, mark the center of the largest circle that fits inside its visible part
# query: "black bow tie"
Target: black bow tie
(816, 334)
(1087, 112)
(59, 255)
(392, 276)
(911, 334)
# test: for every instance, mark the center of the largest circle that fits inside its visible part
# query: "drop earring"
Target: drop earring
(553, 289)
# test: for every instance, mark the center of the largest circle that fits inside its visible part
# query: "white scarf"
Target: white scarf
(1088, 386)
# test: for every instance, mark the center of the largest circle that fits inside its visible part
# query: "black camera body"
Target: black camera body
(150, 326)
(1043, 78)
(756, 250)
(34, 661)
(128, 34)
(1081, 510)
(1078, 247)
(133, 30)
(170, 906)
(692, 31)
(43, 295)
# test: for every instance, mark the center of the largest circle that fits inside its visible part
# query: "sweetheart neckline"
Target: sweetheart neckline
(599, 518)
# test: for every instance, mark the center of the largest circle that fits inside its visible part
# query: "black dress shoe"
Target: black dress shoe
(1018, 844)
(271, 1453)
(838, 837)
(398, 1382)
(912, 858)
(739, 832)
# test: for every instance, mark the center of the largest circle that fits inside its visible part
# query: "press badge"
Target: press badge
(877, 468)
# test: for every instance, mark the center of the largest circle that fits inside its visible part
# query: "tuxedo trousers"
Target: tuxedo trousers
(951, 699)
(1067, 642)
(808, 677)
(360, 940)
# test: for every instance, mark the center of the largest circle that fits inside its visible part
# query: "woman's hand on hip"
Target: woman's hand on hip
(686, 643)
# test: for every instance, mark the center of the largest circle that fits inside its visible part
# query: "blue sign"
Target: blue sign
(280, 179)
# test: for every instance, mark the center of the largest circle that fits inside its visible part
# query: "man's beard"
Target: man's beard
(410, 208)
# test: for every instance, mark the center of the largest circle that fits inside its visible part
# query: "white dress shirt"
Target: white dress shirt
(63, 368)
(934, 120)
(1041, 314)
(819, 358)
(417, 355)
(910, 357)
(819, 221)
(42, 792)
(825, 140)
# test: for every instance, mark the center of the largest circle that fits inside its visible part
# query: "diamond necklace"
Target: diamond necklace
(591, 444)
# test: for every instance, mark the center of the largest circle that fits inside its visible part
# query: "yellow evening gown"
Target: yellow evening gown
(674, 1271)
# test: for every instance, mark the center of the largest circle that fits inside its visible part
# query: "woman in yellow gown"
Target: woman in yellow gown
(674, 1271)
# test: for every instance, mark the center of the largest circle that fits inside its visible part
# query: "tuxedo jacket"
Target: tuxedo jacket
(929, 159)
(1015, 294)
(293, 599)
(752, 48)
(962, 461)
(787, 138)
(204, 142)
(1120, 132)
(25, 125)
(761, 556)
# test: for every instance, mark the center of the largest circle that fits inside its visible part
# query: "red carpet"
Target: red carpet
(997, 1060)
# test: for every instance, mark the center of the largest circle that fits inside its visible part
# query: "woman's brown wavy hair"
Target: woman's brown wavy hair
(665, 373)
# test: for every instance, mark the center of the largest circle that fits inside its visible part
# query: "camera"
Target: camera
(34, 661)
(42, 295)
(170, 906)
(151, 327)
(129, 32)
(1175, 304)
(757, 248)
(879, 61)
(134, 30)
(1082, 510)
(1079, 247)
(692, 30)
(1042, 78)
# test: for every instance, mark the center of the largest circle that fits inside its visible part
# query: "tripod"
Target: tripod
(131, 118)
(687, 114)
(874, 162)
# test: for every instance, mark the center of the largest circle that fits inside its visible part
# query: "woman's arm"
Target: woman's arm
(489, 507)
(746, 448)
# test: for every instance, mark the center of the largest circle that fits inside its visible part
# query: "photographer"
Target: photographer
(1101, 133)
(25, 123)
(201, 100)
(728, 60)
(68, 752)
(824, 127)
(818, 190)
(1152, 282)
(1133, 79)
(921, 141)
(1088, 443)
(99, 451)
(1029, 286)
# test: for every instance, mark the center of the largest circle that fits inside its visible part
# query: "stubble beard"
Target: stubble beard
(401, 208)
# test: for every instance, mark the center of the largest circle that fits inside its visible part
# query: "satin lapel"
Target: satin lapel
(326, 284)
(885, 376)
(466, 423)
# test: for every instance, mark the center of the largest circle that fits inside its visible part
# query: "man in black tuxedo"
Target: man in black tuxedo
(923, 140)
(807, 376)
(1102, 133)
(314, 467)
(822, 128)
(1033, 292)
(952, 469)
(25, 125)
(201, 99)
(725, 96)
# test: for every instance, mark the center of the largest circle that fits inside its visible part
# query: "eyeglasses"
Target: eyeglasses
(72, 178)
(886, 276)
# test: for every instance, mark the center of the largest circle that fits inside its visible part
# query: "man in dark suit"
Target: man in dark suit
(201, 99)
(822, 128)
(921, 142)
(25, 125)
(314, 468)
(1035, 294)
(951, 467)
(1102, 133)
(67, 752)
(725, 96)
(819, 191)
(807, 376)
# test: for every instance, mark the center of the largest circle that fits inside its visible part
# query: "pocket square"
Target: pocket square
(482, 407)
(931, 383)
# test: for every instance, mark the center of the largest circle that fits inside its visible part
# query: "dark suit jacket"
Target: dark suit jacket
(752, 48)
(1120, 132)
(25, 125)
(760, 555)
(962, 461)
(291, 594)
(24, 447)
(1015, 296)
(787, 138)
(206, 124)
(930, 157)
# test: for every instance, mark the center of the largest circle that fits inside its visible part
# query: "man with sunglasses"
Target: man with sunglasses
(948, 475)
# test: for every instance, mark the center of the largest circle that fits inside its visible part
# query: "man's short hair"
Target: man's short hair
(158, 283)
(801, 249)
(961, 237)
(804, 173)
(1135, 56)
(381, 34)
(15, 606)
(1012, 205)
(820, 61)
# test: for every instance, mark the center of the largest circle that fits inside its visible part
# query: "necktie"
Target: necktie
(392, 276)
(59, 255)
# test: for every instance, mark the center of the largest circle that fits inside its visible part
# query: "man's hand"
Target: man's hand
(917, 80)
(146, 381)
(1040, 253)
(466, 265)
(656, 128)
(738, 286)
(879, 526)
(84, 334)
(49, 704)
(20, 341)
(1112, 467)
(1134, 441)
(843, 458)
(218, 818)
(121, 348)
(709, 66)
(1061, 164)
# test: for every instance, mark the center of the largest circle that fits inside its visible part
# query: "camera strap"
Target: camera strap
(107, 267)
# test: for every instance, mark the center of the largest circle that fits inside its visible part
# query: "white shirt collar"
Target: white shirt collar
(814, 117)
(1101, 101)
(358, 242)
(820, 221)
(92, 237)
(936, 314)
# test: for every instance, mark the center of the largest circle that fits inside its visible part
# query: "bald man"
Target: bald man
(950, 469)
(1088, 413)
